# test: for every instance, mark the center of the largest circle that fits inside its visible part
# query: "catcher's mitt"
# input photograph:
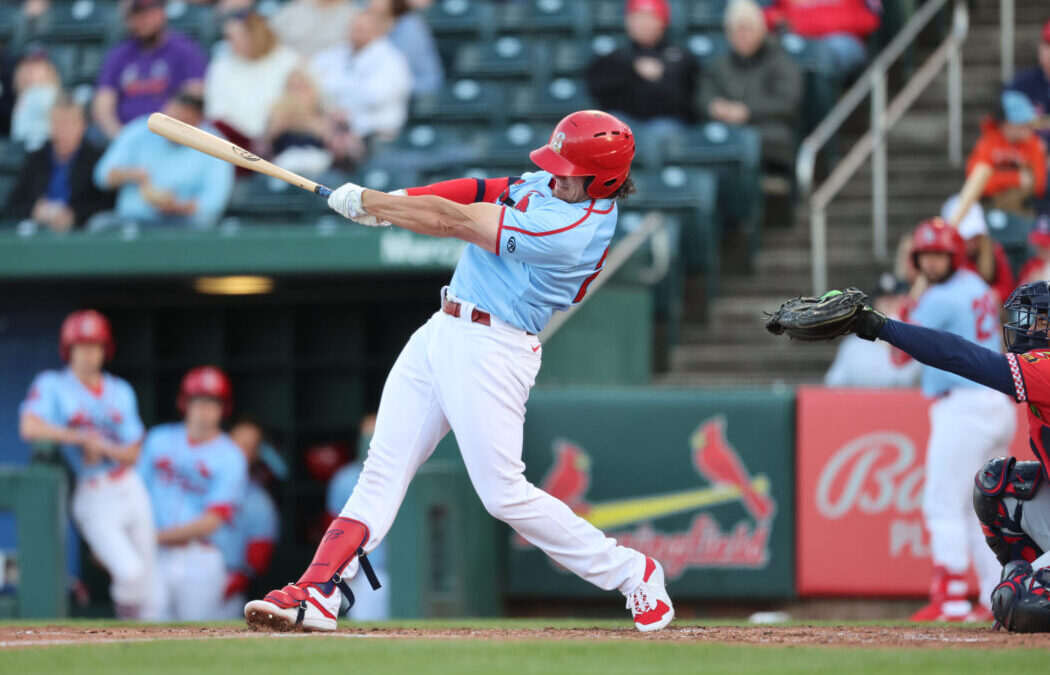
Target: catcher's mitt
(813, 319)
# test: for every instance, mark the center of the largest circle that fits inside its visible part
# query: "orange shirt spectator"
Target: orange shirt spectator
(1017, 156)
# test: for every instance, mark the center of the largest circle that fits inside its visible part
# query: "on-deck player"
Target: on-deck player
(196, 478)
(969, 424)
(1009, 498)
(94, 418)
(535, 243)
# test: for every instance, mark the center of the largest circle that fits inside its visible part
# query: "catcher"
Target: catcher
(1014, 512)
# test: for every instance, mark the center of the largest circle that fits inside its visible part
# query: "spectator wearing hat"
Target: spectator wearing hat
(756, 84)
(1037, 268)
(648, 83)
(1035, 84)
(1016, 154)
(55, 187)
(141, 73)
(36, 87)
(987, 257)
(840, 27)
(160, 182)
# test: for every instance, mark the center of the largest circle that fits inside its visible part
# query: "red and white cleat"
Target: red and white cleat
(949, 610)
(294, 607)
(649, 603)
(980, 614)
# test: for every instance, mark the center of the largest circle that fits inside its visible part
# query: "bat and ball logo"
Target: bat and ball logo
(244, 154)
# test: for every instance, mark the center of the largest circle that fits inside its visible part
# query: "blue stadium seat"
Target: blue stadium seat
(461, 17)
(706, 14)
(464, 99)
(550, 100)
(510, 145)
(607, 15)
(75, 20)
(426, 148)
(506, 56)
(707, 47)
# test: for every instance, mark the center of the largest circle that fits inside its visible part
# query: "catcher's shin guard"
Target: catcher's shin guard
(997, 480)
(1021, 601)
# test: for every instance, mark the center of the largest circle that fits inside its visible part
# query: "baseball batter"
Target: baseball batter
(969, 424)
(1009, 497)
(94, 418)
(196, 477)
(535, 243)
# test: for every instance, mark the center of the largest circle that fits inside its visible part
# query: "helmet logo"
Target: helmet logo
(88, 325)
(556, 141)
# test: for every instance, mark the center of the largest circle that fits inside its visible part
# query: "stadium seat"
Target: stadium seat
(544, 16)
(506, 56)
(263, 198)
(607, 15)
(11, 155)
(70, 20)
(196, 21)
(89, 63)
(461, 17)
(549, 100)
(1011, 231)
(464, 99)
(426, 147)
(706, 14)
(510, 145)
(707, 47)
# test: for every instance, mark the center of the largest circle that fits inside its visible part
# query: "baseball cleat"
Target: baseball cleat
(293, 607)
(649, 603)
(949, 610)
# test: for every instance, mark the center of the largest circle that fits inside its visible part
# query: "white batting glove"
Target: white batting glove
(346, 201)
(372, 221)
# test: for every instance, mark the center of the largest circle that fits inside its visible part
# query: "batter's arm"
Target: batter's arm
(438, 217)
(952, 353)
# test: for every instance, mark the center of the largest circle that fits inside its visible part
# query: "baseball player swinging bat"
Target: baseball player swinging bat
(220, 148)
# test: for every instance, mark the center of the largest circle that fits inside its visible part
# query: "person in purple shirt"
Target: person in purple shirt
(1035, 84)
(146, 69)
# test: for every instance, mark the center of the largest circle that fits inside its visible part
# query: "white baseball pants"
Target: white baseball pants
(114, 516)
(475, 379)
(968, 427)
(191, 583)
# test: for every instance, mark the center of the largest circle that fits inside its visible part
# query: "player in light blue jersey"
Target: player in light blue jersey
(969, 424)
(196, 477)
(534, 245)
(94, 418)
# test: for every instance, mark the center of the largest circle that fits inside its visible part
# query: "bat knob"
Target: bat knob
(323, 191)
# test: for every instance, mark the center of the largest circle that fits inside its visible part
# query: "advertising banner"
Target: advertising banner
(702, 481)
(860, 471)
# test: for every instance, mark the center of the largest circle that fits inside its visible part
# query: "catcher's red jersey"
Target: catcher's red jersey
(1031, 374)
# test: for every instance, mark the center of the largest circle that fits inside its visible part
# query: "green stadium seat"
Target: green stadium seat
(463, 99)
(11, 156)
(544, 16)
(607, 15)
(506, 56)
(706, 14)
(260, 197)
(511, 145)
(69, 20)
(707, 47)
(461, 17)
(570, 57)
(426, 147)
(1011, 231)
(89, 63)
(197, 21)
(11, 23)
(549, 100)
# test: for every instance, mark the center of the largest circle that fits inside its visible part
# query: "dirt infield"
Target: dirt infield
(922, 637)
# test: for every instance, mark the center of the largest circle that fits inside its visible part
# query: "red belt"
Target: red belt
(112, 474)
(476, 315)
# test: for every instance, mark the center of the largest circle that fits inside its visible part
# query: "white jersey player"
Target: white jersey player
(969, 424)
(94, 418)
(535, 243)
(196, 478)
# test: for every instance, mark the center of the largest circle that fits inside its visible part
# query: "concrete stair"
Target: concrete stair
(726, 345)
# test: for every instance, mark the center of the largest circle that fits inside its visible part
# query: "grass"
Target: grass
(351, 656)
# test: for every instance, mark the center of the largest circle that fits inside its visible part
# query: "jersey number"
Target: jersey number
(984, 309)
(587, 282)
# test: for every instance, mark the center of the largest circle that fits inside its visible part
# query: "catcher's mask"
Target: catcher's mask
(1029, 315)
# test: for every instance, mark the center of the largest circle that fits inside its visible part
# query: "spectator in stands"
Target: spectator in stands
(648, 83)
(876, 365)
(298, 128)
(840, 27)
(37, 86)
(1035, 84)
(141, 73)
(312, 26)
(756, 84)
(411, 35)
(365, 82)
(244, 81)
(160, 182)
(987, 257)
(55, 187)
(1017, 156)
(1037, 267)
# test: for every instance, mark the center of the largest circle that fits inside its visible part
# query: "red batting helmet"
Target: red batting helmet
(87, 325)
(936, 236)
(589, 143)
(206, 381)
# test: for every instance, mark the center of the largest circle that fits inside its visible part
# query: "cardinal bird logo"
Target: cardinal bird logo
(570, 477)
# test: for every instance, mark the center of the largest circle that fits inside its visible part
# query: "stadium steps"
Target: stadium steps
(725, 344)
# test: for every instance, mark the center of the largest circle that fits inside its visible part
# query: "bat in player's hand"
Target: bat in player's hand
(220, 148)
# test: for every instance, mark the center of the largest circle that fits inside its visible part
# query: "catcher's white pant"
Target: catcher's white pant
(968, 427)
(475, 379)
(192, 581)
(113, 514)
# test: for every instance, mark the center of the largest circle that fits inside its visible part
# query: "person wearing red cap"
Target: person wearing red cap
(841, 27)
(93, 417)
(1035, 84)
(534, 245)
(648, 83)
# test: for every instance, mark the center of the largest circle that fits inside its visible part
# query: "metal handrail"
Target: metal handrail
(883, 117)
(652, 223)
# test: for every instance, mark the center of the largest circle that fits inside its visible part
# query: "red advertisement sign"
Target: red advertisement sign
(860, 472)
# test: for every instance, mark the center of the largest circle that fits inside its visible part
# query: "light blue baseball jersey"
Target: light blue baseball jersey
(186, 479)
(964, 305)
(60, 399)
(339, 490)
(255, 521)
(547, 253)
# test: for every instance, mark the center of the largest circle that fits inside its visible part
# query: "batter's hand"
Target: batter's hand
(346, 201)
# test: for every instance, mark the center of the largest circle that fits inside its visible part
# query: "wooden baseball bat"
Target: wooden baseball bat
(971, 191)
(220, 148)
